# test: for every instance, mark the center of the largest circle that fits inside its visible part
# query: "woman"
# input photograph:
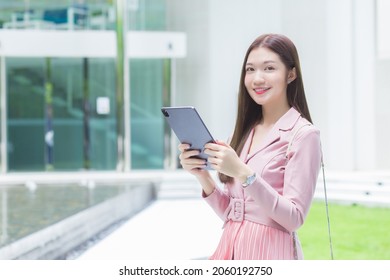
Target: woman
(270, 168)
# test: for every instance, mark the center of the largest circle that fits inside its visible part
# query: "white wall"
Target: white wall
(193, 72)
(232, 30)
(305, 23)
(218, 35)
(382, 122)
(339, 149)
(383, 23)
(364, 90)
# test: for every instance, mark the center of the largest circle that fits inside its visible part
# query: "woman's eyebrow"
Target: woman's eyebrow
(264, 62)
(269, 61)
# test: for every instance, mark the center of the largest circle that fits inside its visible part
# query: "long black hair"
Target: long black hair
(249, 113)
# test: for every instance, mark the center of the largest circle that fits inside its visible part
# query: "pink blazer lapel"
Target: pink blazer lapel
(286, 122)
(272, 136)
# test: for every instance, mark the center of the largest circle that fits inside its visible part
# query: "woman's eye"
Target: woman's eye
(269, 68)
(249, 69)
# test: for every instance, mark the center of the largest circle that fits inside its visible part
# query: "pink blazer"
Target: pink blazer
(283, 191)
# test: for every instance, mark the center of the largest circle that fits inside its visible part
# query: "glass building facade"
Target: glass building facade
(61, 111)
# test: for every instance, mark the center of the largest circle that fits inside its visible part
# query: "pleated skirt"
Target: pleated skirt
(251, 241)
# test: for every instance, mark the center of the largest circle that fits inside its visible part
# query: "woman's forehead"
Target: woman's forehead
(263, 55)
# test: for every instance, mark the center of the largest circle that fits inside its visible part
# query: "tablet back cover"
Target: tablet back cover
(188, 127)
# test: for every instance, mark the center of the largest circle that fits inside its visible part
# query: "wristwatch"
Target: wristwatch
(249, 180)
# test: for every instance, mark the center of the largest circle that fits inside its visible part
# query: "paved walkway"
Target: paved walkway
(167, 229)
(178, 225)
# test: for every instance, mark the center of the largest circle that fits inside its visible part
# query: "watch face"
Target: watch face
(252, 178)
(249, 180)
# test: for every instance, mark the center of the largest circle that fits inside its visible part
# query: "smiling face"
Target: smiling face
(267, 78)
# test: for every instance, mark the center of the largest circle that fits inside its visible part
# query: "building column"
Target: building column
(364, 84)
(122, 89)
(351, 80)
(340, 147)
(3, 117)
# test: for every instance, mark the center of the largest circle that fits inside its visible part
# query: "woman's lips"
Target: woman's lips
(261, 90)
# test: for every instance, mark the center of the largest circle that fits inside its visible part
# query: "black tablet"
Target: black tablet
(189, 127)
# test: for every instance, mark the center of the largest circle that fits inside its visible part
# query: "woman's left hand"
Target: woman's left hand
(224, 159)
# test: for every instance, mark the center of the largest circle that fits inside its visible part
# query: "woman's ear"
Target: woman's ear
(292, 75)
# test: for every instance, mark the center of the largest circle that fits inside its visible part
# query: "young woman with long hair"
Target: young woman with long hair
(271, 164)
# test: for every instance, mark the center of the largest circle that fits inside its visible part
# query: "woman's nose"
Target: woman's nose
(258, 77)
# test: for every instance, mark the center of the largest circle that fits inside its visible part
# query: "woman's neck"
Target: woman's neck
(272, 115)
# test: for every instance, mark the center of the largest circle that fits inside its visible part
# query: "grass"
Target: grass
(358, 233)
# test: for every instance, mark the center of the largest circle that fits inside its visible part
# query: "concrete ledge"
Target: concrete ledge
(372, 192)
(81, 177)
(56, 240)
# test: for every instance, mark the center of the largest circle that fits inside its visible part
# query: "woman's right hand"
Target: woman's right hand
(196, 167)
(189, 161)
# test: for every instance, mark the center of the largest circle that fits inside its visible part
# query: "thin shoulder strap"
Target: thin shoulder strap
(324, 181)
(293, 137)
(327, 207)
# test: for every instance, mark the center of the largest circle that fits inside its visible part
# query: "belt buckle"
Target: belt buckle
(237, 211)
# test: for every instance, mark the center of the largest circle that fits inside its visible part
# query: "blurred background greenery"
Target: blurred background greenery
(358, 233)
